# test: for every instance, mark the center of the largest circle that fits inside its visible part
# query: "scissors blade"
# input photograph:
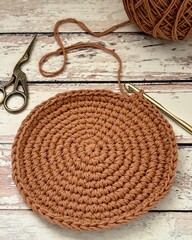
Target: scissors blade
(26, 55)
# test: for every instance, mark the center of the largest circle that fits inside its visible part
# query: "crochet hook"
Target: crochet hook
(179, 121)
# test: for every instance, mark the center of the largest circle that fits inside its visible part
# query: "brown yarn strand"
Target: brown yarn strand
(93, 159)
(64, 49)
(171, 20)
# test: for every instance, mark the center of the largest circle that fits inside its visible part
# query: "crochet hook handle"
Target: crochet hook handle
(179, 121)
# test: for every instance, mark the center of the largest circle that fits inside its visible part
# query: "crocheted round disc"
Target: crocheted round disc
(91, 160)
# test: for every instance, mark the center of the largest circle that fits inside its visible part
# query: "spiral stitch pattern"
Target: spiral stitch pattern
(90, 160)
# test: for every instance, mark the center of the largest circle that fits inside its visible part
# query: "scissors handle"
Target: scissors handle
(11, 95)
(3, 93)
(3, 89)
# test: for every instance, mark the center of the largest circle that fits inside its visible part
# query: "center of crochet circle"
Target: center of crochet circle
(91, 149)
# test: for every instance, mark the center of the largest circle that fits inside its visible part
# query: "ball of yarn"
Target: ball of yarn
(90, 160)
(166, 19)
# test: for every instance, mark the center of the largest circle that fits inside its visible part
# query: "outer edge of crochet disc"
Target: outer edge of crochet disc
(54, 218)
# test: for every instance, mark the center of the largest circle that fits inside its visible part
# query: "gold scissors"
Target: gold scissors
(18, 78)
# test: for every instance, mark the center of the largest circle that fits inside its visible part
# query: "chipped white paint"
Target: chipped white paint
(9, 200)
(40, 16)
(3, 163)
(144, 58)
(174, 100)
(4, 156)
(152, 226)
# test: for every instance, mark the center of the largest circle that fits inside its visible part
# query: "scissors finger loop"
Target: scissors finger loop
(2, 95)
(12, 95)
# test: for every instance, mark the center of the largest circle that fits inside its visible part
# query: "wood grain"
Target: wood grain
(143, 58)
(176, 98)
(180, 197)
(40, 16)
(22, 225)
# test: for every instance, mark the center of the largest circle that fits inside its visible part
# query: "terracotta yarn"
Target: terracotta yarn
(63, 50)
(166, 19)
(94, 159)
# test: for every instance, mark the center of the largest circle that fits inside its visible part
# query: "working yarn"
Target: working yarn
(166, 19)
(93, 159)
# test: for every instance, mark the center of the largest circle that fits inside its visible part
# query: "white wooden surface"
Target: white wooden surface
(152, 226)
(145, 59)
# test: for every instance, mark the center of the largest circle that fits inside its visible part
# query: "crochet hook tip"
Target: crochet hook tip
(130, 88)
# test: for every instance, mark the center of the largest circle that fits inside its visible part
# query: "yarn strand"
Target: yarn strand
(64, 50)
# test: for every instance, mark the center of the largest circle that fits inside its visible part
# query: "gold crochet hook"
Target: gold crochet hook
(179, 121)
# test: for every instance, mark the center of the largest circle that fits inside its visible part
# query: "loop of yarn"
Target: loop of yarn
(64, 50)
(164, 19)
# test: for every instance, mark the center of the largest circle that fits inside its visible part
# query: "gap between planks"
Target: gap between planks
(143, 58)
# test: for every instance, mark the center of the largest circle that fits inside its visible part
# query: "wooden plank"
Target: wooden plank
(180, 197)
(144, 58)
(40, 16)
(178, 101)
(24, 225)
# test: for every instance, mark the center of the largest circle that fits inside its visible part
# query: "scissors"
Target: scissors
(18, 78)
